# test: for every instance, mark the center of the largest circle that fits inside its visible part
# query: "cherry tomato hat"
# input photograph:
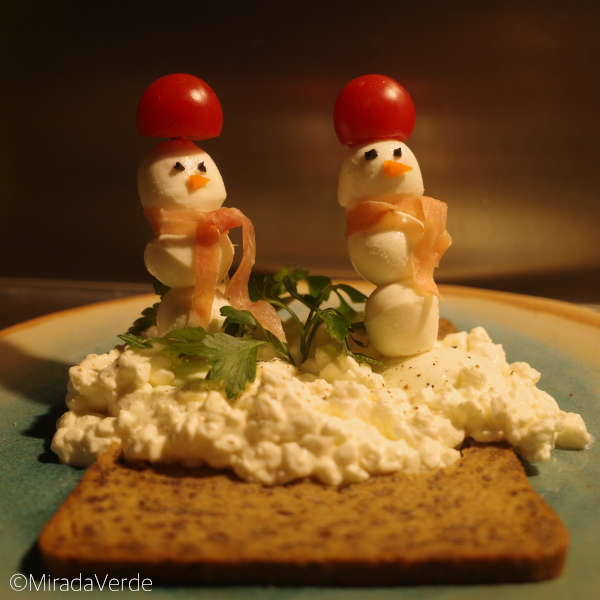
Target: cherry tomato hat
(373, 107)
(177, 106)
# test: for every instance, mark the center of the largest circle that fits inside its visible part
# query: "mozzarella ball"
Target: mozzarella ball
(401, 319)
(168, 178)
(362, 177)
(172, 259)
(382, 254)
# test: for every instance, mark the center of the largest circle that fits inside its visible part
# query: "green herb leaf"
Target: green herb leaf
(357, 342)
(345, 309)
(358, 357)
(237, 321)
(160, 288)
(272, 288)
(188, 341)
(135, 341)
(238, 317)
(338, 326)
(316, 285)
(232, 359)
(283, 272)
(148, 319)
(264, 287)
(296, 275)
(233, 355)
(291, 287)
(355, 295)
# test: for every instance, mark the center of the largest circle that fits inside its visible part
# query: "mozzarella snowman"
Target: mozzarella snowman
(395, 235)
(182, 193)
(178, 175)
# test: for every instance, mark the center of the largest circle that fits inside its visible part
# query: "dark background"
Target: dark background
(507, 97)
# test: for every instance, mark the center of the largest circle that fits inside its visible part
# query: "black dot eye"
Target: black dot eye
(201, 167)
(398, 152)
(179, 166)
(371, 154)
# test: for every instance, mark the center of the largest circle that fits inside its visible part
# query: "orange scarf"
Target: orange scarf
(432, 245)
(207, 226)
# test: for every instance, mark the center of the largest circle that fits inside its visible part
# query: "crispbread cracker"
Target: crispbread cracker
(479, 521)
(444, 328)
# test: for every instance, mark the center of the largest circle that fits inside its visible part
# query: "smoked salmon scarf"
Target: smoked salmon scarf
(433, 243)
(207, 226)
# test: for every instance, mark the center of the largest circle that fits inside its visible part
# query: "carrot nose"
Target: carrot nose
(197, 181)
(392, 168)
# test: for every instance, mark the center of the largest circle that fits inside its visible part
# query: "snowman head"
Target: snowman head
(179, 175)
(379, 168)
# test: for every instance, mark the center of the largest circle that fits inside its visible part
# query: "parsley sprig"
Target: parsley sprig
(148, 317)
(341, 322)
(233, 353)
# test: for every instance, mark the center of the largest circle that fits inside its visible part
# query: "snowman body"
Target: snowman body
(177, 176)
(382, 254)
(172, 258)
(401, 319)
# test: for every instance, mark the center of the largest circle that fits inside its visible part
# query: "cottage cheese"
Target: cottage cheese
(336, 420)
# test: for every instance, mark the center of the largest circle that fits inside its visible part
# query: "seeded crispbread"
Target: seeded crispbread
(477, 522)
(445, 327)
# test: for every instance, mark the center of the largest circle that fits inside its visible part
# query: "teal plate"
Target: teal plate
(558, 339)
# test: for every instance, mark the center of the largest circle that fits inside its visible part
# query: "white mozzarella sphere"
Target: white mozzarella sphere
(362, 178)
(172, 259)
(382, 254)
(401, 319)
(162, 185)
(175, 311)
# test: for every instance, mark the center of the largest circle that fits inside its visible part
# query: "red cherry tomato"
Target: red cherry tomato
(179, 105)
(373, 107)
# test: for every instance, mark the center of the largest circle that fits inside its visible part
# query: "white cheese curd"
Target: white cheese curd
(337, 421)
